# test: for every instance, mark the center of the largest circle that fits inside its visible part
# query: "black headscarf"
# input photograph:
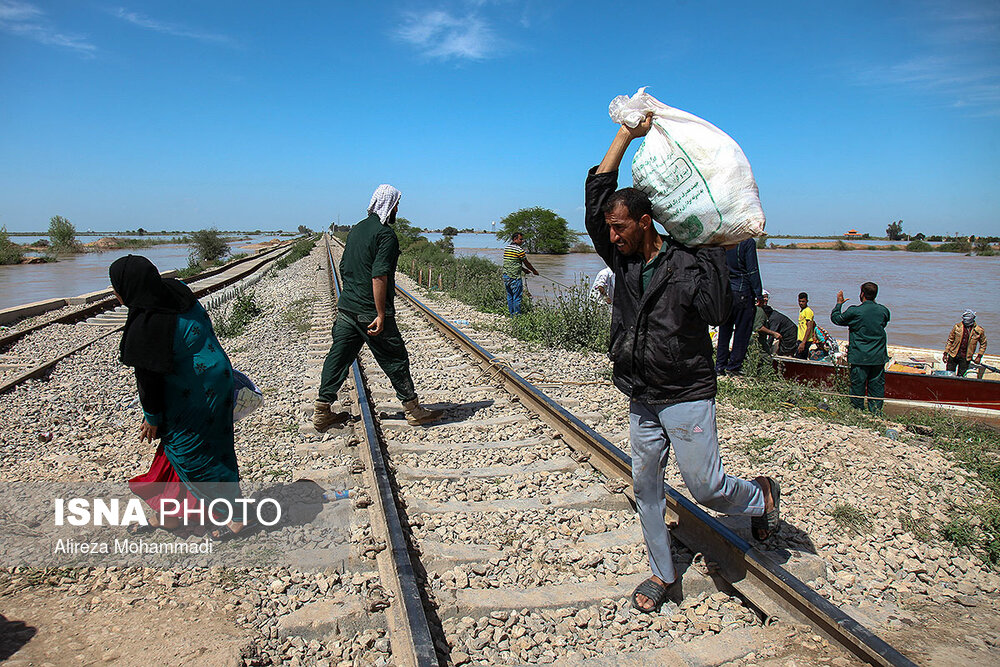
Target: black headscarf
(153, 305)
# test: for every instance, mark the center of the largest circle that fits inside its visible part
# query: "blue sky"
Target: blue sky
(254, 115)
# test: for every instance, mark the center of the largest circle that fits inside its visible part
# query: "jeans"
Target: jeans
(514, 287)
(738, 327)
(388, 348)
(867, 379)
(690, 428)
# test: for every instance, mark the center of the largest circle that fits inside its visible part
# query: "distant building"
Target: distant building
(853, 234)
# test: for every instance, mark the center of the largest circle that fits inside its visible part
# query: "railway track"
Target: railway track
(506, 529)
(32, 352)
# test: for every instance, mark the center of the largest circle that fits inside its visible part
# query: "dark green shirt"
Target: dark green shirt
(372, 250)
(866, 323)
(650, 267)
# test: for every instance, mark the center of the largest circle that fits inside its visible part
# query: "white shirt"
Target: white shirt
(605, 279)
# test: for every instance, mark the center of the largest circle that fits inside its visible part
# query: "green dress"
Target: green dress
(196, 425)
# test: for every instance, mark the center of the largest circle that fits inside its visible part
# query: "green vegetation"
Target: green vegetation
(574, 321)
(919, 246)
(895, 231)
(62, 233)
(851, 518)
(961, 246)
(959, 532)
(298, 313)
(298, 251)
(244, 309)
(544, 231)
(919, 527)
(10, 252)
(984, 248)
(756, 450)
(761, 242)
(207, 246)
(305, 230)
(840, 245)
(582, 247)
(449, 231)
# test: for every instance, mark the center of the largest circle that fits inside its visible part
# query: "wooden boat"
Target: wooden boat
(933, 390)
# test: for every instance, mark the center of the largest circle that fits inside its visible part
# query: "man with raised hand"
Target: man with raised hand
(866, 350)
(366, 314)
(666, 296)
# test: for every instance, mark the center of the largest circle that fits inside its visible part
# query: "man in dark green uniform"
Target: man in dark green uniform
(366, 314)
(867, 349)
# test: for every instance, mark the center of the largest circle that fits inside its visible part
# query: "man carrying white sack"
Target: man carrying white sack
(666, 296)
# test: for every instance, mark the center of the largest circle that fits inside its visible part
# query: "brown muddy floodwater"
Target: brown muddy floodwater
(925, 292)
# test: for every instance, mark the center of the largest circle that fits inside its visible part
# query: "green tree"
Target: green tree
(207, 246)
(63, 234)
(544, 231)
(406, 233)
(10, 252)
(304, 230)
(449, 231)
(895, 231)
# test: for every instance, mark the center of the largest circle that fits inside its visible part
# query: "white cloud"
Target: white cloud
(172, 29)
(440, 34)
(27, 20)
(959, 62)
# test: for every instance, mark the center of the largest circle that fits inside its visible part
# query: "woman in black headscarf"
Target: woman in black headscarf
(185, 386)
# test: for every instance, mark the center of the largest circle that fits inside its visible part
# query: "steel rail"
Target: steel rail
(109, 303)
(412, 643)
(753, 573)
(44, 367)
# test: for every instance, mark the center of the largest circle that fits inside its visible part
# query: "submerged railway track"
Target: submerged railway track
(506, 528)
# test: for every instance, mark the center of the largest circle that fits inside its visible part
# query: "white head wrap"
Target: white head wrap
(765, 293)
(969, 317)
(383, 201)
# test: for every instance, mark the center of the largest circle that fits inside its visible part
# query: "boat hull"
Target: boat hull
(934, 389)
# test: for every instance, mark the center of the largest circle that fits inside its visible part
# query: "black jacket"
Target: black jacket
(660, 345)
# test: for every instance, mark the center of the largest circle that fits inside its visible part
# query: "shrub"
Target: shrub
(10, 252)
(984, 248)
(63, 234)
(761, 242)
(574, 321)
(207, 246)
(298, 251)
(840, 245)
(245, 308)
(919, 246)
(582, 247)
(955, 246)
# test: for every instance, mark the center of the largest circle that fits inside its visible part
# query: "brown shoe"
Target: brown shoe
(324, 417)
(418, 415)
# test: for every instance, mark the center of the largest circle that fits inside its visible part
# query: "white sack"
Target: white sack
(697, 177)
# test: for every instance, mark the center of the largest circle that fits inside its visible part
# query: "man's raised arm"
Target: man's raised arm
(602, 181)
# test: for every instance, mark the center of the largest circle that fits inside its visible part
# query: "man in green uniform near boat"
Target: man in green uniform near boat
(866, 352)
(366, 314)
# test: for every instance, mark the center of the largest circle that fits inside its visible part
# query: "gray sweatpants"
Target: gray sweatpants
(690, 428)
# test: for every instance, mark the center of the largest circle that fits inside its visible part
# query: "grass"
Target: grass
(244, 310)
(851, 518)
(918, 527)
(299, 250)
(574, 321)
(298, 314)
(756, 450)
